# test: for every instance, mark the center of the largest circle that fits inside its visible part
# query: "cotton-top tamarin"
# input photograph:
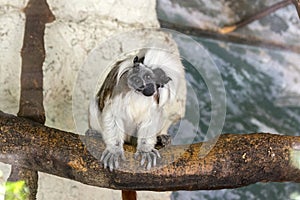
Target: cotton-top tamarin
(140, 97)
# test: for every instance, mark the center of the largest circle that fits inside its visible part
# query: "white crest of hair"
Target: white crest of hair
(169, 62)
(173, 94)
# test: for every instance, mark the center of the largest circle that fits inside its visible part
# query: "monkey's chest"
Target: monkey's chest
(140, 109)
(133, 109)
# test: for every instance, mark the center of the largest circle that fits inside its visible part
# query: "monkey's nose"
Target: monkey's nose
(149, 90)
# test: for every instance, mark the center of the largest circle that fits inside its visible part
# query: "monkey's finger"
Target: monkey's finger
(123, 156)
(136, 155)
(116, 161)
(149, 161)
(106, 158)
(103, 154)
(143, 159)
(156, 152)
(104, 165)
(154, 159)
(148, 166)
(111, 163)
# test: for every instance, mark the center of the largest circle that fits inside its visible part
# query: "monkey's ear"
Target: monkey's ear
(135, 60)
(141, 60)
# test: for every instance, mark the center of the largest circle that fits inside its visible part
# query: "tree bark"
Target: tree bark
(31, 106)
(236, 160)
(129, 195)
(33, 55)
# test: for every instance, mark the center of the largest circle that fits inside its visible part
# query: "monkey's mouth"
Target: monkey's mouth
(147, 90)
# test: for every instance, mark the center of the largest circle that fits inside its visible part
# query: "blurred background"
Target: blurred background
(258, 62)
(262, 81)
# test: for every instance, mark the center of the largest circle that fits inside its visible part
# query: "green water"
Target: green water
(262, 85)
(254, 85)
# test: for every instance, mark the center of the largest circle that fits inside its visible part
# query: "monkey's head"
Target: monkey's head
(141, 78)
(145, 80)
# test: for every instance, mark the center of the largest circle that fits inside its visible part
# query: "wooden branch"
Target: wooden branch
(129, 195)
(230, 37)
(256, 16)
(37, 14)
(236, 160)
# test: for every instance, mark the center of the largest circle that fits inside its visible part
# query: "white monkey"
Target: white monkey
(139, 98)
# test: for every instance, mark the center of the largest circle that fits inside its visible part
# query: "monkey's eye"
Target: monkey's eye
(147, 77)
(136, 80)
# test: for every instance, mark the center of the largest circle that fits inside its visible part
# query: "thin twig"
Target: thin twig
(297, 5)
(231, 37)
(256, 16)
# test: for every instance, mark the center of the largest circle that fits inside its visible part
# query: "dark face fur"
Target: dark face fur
(142, 79)
(161, 77)
(145, 80)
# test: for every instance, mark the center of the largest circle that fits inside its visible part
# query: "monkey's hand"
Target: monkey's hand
(147, 154)
(110, 157)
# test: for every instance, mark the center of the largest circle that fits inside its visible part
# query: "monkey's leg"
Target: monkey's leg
(113, 136)
(163, 139)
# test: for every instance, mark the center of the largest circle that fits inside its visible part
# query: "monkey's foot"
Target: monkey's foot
(163, 141)
(110, 157)
(149, 156)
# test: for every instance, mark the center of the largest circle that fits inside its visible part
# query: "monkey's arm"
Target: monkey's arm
(113, 137)
(147, 134)
(112, 134)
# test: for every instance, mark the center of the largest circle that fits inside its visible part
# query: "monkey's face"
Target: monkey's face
(142, 79)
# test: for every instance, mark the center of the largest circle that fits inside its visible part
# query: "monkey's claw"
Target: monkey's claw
(110, 157)
(149, 156)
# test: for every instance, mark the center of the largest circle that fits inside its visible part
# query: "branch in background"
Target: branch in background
(297, 5)
(129, 195)
(33, 55)
(256, 16)
(235, 161)
(231, 37)
(37, 14)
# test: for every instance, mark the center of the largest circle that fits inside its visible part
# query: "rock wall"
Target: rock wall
(80, 26)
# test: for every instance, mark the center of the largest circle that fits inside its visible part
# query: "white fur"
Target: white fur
(94, 115)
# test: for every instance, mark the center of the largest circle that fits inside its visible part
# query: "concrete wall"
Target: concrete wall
(80, 26)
